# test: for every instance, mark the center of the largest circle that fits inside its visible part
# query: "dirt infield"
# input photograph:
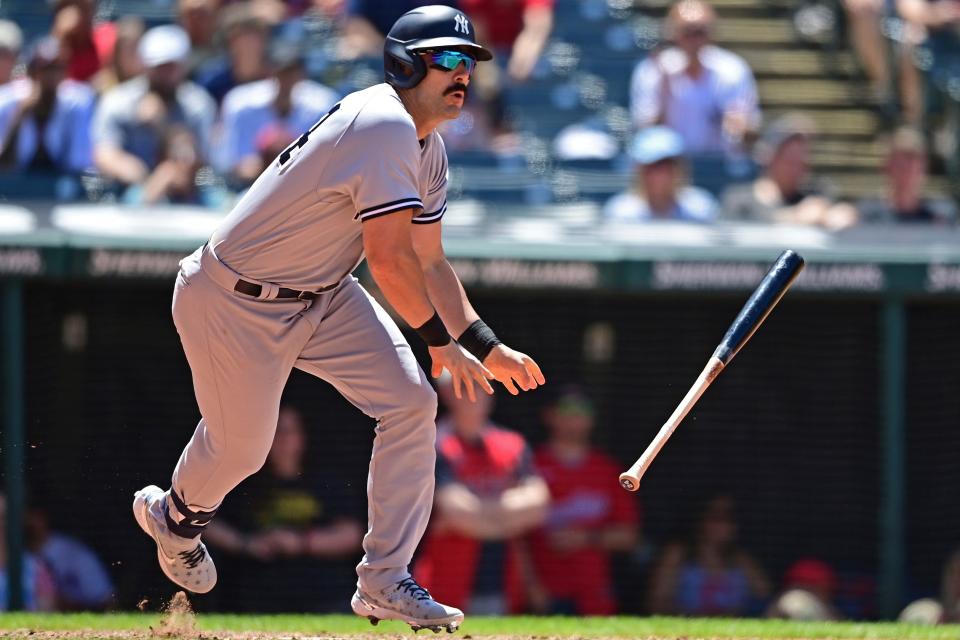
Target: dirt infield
(27, 634)
(177, 621)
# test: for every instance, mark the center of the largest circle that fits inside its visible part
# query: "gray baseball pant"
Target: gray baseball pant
(241, 351)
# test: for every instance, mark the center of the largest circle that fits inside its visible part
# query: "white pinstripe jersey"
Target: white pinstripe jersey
(299, 225)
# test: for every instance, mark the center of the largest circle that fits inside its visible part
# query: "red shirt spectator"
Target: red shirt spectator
(89, 48)
(590, 515)
(502, 20)
(584, 499)
(455, 566)
(520, 27)
(89, 57)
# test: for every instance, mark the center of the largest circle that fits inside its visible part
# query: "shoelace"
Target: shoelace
(410, 585)
(193, 558)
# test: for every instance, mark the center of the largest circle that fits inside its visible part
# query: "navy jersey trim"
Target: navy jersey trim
(382, 213)
(429, 218)
(390, 207)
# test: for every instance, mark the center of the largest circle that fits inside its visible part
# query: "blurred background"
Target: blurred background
(620, 179)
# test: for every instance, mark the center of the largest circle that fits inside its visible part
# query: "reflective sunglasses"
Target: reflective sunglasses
(450, 60)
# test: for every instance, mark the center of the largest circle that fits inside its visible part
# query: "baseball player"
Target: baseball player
(272, 290)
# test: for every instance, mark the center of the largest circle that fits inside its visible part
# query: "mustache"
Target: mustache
(456, 87)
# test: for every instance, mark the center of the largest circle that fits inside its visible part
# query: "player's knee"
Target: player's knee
(424, 401)
(417, 404)
(250, 459)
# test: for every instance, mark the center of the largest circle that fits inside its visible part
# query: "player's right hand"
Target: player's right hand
(465, 370)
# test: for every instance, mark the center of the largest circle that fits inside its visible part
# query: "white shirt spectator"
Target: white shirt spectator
(66, 137)
(696, 106)
(117, 122)
(249, 108)
(693, 204)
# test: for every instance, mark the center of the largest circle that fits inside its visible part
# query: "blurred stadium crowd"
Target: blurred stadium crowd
(633, 107)
(642, 111)
(515, 529)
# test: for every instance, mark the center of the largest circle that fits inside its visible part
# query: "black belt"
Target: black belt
(254, 290)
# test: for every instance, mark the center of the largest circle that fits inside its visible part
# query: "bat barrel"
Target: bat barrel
(767, 294)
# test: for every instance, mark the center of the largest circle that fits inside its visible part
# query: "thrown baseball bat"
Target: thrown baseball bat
(754, 312)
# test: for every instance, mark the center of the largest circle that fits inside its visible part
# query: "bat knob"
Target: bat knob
(628, 484)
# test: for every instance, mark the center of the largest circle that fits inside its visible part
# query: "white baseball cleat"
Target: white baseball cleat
(184, 560)
(408, 602)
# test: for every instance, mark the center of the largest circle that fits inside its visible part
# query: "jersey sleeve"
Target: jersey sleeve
(435, 202)
(382, 159)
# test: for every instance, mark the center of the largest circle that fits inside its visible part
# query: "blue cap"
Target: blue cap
(654, 144)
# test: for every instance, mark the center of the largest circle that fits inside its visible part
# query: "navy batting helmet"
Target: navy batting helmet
(431, 27)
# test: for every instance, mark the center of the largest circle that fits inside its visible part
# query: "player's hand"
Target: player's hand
(465, 370)
(513, 369)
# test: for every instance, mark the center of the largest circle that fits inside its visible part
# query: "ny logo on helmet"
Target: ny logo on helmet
(462, 25)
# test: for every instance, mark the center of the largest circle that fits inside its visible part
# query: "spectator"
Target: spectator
(905, 170)
(946, 609)
(246, 35)
(705, 93)
(376, 17)
(326, 23)
(517, 29)
(131, 121)
(809, 587)
(785, 192)
(80, 580)
(176, 179)
(590, 517)
(294, 533)
(487, 496)
(708, 574)
(11, 41)
(38, 590)
(87, 47)
(198, 18)
(866, 38)
(125, 63)
(939, 22)
(45, 118)
(658, 191)
(285, 102)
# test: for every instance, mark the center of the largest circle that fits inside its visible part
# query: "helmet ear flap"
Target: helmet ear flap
(402, 68)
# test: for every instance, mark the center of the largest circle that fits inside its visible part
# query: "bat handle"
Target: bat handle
(630, 479)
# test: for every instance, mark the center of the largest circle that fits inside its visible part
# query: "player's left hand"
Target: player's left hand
(513, 369)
